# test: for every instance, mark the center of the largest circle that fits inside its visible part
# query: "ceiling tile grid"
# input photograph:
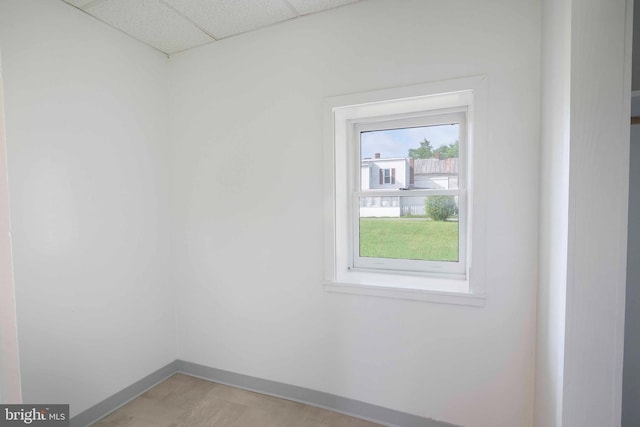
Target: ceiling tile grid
(151, 22)
(224, 18)
(305, 7)
(175, 25)
(79, 3)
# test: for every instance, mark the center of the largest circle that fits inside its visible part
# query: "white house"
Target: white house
(383, 174)
(404, 175)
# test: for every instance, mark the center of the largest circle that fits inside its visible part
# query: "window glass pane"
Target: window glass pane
(423, 157)
(405, 227)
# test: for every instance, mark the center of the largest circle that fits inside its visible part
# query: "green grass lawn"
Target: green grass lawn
(409, 239)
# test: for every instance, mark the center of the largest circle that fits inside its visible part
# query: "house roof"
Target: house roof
(423, 166)
(368, 160)
(435, 166)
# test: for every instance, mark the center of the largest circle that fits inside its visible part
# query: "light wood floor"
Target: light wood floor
(184, 401)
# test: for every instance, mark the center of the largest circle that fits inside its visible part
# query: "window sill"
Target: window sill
(409, 293)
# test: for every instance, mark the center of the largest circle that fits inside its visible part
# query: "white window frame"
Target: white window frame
(385, 176)
(452, 269)
(464, 286)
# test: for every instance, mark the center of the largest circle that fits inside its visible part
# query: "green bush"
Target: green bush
(439, 208)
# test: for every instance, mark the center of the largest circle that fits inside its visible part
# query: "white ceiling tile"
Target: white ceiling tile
(222, 18)
(151, 22)
(79, 3)
(309, 6)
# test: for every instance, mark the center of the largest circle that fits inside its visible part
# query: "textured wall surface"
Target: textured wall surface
(248, 210)
(86, 113)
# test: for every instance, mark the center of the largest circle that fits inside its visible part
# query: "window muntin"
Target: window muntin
(395, 179)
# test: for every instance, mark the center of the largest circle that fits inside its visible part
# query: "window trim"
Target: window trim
(464, 92)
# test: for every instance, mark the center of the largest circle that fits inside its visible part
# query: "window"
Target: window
(402, 171)
(388, 176)
(412, 221)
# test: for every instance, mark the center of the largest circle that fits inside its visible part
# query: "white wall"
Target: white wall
(586, 92)
(554, 211)
(86, 114)
(251, 299)
(10, 391)
(598, 202)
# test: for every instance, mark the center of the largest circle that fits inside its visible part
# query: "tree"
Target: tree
(447, 151)
(424, 152)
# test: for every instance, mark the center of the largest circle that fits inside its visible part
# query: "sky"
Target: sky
(396, 142)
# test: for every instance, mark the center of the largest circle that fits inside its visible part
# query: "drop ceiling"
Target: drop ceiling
(176, 25)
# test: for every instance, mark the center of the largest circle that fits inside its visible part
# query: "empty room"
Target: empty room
(314, 212)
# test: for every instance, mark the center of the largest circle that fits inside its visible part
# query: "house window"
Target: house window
(387, 176)
(401, 176)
